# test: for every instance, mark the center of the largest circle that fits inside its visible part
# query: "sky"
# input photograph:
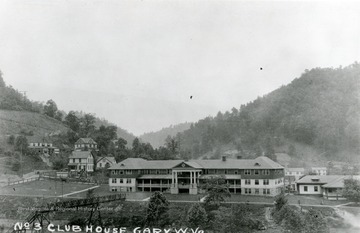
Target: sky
(136, 63)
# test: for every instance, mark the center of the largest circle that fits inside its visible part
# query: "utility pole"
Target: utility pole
(21, 166)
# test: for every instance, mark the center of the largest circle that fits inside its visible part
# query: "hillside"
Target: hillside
(320, 109)
(157, 139)
(13, 122)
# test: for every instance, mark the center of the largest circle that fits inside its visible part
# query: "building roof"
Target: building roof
(295, 169)
(108, 158)
(258, 163)
(85, 141)
(313, 179)
(339, 182)
(80, 155)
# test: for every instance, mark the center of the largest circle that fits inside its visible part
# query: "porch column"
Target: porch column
(191, 178)
(173, 178)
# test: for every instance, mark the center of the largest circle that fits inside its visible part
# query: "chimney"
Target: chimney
(224, 158)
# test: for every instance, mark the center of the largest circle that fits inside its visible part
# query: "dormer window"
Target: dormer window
(257, 165)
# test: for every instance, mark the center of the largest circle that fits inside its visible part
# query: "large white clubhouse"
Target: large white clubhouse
(260, 176)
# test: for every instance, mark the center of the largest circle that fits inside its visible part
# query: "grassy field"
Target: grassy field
(43, 188)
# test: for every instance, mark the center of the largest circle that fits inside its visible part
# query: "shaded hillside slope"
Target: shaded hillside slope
(320, 109)
(12, 122)
(157, 139)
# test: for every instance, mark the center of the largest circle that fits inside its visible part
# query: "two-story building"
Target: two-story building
(42, 145)
(81, 161)
(84, 144)
(260, 176)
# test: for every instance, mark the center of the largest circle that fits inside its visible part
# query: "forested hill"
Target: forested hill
(158, 138)
(16, 105)
(319, 109)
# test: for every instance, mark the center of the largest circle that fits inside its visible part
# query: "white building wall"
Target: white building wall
(310, 189)
(124, 186)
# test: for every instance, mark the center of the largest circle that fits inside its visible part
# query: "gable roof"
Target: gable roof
(80, 155)
(85, 141)
(108, 158)
(313, 179)
(258, 163)
(339, 182)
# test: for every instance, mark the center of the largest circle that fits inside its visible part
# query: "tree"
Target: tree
(137, 147)
(87, 125)
(72, 121)
(156, 214)
(315, 222)
(280, 201)
(50, 108)
(292, 220)
(352, 190)
(217, 190)
(172, 144)
(58, 116)
(21, 144)
(103, 137)
(196, 216)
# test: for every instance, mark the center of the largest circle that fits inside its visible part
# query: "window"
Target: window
(267, 172)
(73, 160)
(113, 180)
(266, 182)
(113, 189)
(305, 188)
(247, 191)
(121, 181)
(256, 182)
(315, 188)
(267, 191)
(256, 191)
(236, 172)
(256, 172)
(247, 181)
(128, 181)
(247, 172)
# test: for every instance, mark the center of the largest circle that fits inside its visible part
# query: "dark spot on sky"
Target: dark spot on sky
(260, 68)
(191, 97)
